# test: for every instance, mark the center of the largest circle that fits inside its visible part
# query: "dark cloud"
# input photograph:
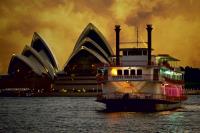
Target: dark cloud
(141, 18)
(164, 10)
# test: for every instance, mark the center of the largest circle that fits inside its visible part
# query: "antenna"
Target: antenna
(137, 39)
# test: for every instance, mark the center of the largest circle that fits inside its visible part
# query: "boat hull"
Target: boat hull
(142, 105)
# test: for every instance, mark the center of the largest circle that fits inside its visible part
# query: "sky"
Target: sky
(176, 25)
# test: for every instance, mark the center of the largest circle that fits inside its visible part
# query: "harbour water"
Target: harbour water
(83, 114)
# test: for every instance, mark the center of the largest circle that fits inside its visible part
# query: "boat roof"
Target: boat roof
(167, 57)
(129, 49)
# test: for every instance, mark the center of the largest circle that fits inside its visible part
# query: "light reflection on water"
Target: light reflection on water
(79, 114)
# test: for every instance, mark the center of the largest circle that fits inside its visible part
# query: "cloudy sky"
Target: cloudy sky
(176, 25)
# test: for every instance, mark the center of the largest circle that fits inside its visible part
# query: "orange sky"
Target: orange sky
(176, 25)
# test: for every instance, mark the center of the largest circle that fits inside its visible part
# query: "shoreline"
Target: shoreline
(53, 95)
(192, 92)
(77, 94)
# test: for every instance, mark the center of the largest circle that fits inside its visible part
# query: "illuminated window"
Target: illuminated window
(119, 72)
(114, 72)
(132, 72)
(126, 72)
(139, 72)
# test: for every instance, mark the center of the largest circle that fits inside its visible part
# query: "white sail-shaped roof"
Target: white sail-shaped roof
(35, 57)
(94, 53)
(42, 48)
(91, 44)
(92, 41)
(18, 61)
(98, 50)
(94, 34)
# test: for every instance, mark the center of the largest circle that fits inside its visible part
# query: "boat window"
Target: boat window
(126, 72)
(120, 52)
(132, 72)
(130, 53)
(144, 52)
(119, 72)
(124, 53)
(135, 52)
(139, 72)
(138, 52)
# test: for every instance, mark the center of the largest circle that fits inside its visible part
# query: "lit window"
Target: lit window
(114, 72)
(126, 72)
(139, 72)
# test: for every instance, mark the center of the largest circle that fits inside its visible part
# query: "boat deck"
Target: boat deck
(140, 97)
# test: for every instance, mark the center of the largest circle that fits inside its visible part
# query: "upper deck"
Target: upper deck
(137, 73)
(159, 70)
(134, 56)
(141, 73)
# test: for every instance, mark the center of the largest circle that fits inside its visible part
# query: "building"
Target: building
(32, 70)
(91, 50)
(36, 67)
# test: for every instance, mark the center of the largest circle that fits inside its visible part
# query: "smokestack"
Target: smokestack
(149, 29)
(117, 30)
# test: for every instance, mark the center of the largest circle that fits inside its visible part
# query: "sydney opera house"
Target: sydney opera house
(36, 69)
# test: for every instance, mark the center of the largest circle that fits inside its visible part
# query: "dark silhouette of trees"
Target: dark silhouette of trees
(192, 77)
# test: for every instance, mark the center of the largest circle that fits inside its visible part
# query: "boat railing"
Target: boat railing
(131, 77)
(142, 96)
(171, 74)
(173, 80)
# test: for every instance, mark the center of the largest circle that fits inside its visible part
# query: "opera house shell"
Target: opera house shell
(90, 51)
(35, 67)
(36, 59)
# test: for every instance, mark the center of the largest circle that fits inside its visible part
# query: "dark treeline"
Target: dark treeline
(192, 77)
